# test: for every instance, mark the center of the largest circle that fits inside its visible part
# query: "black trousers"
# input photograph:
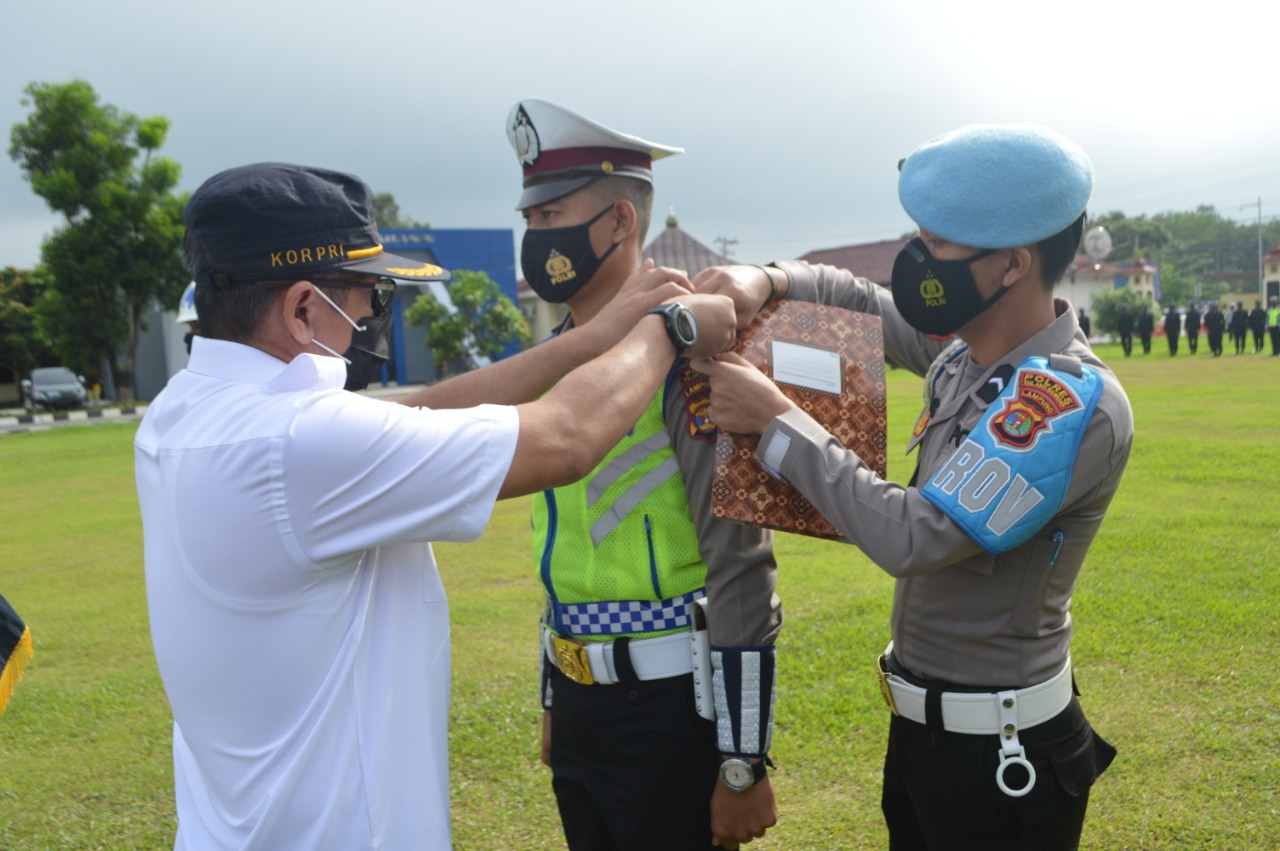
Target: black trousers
(633, 765)
(1192, 340)
(1215, 342)
(1126, 343)
(940, 789)
(1146, 342)
(1274, 331)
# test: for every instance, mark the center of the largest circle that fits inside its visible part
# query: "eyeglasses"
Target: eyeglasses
(380, 292)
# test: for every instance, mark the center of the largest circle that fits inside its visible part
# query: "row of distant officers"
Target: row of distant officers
(1216, 323)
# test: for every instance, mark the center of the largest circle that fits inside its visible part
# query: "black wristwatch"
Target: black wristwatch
(682, 327)
(741, 774)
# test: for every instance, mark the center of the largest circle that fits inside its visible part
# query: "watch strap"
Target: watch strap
(668, 311)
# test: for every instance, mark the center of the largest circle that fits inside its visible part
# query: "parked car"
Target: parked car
(53, 387)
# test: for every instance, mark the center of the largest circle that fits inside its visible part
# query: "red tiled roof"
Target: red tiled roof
(872, 260)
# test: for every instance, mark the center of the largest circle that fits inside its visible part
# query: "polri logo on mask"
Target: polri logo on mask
(937, 297)
(570, 261)
(559, 268)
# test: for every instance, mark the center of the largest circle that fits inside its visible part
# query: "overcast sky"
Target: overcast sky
(793, 114)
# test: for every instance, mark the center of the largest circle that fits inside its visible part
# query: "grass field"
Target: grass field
(1177, 646)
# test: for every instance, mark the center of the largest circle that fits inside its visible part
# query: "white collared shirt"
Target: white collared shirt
(298, 617)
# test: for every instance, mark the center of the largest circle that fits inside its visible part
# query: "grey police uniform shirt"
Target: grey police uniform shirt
(960, 614)
(743, 608)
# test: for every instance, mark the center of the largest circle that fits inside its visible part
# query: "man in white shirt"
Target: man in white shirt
(298, 618)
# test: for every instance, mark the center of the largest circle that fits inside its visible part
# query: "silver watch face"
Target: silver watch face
(736, 774)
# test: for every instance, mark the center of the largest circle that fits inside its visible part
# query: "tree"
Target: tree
(386, 212)
(119, 249)
(22, 346)
(1202, 254)
(482, 322)
(1106, 307)
(1133, 239)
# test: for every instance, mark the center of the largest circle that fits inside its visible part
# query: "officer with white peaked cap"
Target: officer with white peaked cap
(624, 554)
(1021, 445)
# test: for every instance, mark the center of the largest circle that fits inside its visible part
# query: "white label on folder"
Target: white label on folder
(805, 366)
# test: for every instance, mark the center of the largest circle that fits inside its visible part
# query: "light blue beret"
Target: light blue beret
(996, 185)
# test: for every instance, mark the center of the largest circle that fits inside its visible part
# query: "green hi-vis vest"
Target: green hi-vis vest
(618, 551)
(1273, 317)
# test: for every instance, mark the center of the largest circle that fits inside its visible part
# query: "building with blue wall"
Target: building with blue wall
(488, 250)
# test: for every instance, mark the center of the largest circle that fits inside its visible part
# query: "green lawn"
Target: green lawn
(1177, 644)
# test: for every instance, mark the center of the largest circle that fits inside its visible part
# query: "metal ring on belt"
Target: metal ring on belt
(592, 662)
(1001, 713)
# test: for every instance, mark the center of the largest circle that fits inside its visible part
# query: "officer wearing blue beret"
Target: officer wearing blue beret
(1021, 444)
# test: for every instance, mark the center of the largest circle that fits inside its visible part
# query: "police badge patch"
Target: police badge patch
(1039, 397)
(695, 390)
(524, 136)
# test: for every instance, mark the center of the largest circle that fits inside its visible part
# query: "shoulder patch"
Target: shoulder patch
(695, 400)
(1037, 398)
(1009, 477)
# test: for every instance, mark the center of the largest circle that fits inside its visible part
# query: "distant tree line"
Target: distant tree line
(1202, 254)
(117, 251)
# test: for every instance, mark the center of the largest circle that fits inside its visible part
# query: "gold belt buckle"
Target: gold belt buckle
(882, 674)
(571, 659)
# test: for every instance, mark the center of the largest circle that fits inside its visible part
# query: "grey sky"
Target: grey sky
(793, 115)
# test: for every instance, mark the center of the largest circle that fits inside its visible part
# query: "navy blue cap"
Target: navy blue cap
(996, 185)
(276, 221)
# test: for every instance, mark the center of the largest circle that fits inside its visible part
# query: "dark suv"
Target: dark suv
(53, 387)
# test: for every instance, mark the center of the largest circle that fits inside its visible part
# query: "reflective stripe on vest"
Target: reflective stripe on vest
(623, 534)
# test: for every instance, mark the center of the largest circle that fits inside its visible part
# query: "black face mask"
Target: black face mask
(368, 352)
(557, 262)
(937, 297)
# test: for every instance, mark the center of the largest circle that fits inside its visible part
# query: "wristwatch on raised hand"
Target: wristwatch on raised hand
(741, 774)
(682, 327)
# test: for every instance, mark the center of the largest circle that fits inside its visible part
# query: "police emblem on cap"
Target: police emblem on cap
(561, 151)
(525, 137)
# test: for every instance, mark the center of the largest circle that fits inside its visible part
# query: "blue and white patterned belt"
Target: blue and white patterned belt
(623, 617)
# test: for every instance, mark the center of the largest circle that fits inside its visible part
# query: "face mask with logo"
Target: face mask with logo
(558, 262)
(937, 297)
(369, 349)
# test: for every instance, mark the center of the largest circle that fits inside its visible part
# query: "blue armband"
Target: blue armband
(1010, 476)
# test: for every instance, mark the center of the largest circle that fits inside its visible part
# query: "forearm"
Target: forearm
(519, 378)
(564, 434)
(897, 528)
